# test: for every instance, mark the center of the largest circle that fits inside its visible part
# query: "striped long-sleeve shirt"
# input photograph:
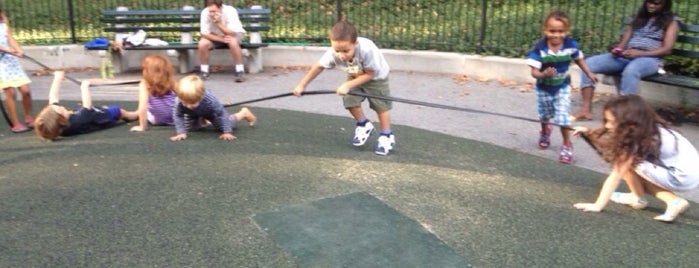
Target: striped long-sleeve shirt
(209, 108)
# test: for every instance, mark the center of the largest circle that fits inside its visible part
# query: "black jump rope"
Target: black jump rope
(322, 92)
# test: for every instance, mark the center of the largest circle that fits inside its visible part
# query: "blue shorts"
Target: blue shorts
(114, 112)
(554, 106)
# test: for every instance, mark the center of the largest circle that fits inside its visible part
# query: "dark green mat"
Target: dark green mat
(115, 198)
(355, 230)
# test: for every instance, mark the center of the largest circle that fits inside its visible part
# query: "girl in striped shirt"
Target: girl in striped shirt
(156, 96)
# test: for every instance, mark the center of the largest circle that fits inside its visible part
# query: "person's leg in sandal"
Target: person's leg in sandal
(11, 108)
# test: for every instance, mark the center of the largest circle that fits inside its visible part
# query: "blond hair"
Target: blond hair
(49, 124)
(190, 89)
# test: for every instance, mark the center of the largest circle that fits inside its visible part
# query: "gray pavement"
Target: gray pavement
(489, 96)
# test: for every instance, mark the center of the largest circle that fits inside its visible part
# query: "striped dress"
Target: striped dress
(11, 73)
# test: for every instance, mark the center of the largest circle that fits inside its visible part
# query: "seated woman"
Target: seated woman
(650, 35)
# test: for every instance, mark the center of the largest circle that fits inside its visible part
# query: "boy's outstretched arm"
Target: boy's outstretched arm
(85, 92)
(315, 70)
(56, 86)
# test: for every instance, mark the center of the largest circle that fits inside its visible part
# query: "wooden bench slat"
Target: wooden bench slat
(150, 20)
(176, 29)
(678, 80)
(687, 39)
(686, 53)
(141, 12)
(145, 12)
(690, 28)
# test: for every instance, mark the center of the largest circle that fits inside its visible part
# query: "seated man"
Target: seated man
(220, 27)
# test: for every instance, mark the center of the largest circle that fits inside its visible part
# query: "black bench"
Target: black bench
(178, 27)
(687, 45)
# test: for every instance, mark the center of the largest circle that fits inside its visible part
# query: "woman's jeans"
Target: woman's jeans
(631, 70)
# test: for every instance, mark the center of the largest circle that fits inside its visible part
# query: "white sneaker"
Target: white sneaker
(386, 144)
(361, 134)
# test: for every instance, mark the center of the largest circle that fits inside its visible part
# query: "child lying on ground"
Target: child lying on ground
(56, 120)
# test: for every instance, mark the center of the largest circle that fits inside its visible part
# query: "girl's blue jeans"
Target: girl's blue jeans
(631, 70)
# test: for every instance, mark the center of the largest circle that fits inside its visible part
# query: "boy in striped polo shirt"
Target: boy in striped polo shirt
(549, 61)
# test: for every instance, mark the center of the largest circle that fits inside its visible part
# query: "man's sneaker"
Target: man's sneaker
(362, 133)
(239, 77)
(386, 144)
(566, 155)
(204, 75)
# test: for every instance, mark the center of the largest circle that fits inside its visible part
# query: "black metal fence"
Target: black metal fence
(497, 27)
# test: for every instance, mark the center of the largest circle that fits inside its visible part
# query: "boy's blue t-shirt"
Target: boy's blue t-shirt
(541, 57)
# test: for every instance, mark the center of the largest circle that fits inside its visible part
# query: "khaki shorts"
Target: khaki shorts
(219, 45)
(373, 87)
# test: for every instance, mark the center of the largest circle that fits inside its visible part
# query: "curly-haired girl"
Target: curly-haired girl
(647, 154)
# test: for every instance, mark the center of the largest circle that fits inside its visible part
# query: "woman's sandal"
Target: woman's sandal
(674, 209)
(629, 199)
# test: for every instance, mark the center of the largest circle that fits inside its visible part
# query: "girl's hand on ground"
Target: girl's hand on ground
(179, 137)
(579, 130)
(136, 129)
(588, 207)
(227, 137)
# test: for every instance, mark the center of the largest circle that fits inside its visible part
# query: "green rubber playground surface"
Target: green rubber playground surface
(120, 199)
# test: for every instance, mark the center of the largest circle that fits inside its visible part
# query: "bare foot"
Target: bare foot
(581, 116)
(249, 116)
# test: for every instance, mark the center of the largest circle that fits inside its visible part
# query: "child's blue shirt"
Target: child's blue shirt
(541, 57)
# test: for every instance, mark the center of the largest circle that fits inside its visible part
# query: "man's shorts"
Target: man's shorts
(218, 45)
(373, 87)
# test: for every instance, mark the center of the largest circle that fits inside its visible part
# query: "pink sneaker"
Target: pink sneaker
(566, 155)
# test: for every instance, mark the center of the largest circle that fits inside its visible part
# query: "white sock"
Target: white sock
(204, 68)
(239, 68)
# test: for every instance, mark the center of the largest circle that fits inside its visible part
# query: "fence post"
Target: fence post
(338, 10)
(71, 21)
(481, 35)
(184, 56)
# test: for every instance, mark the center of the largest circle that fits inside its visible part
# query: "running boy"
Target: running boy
(55, 120)
(367, 72)
(549, 61)
(196, 103)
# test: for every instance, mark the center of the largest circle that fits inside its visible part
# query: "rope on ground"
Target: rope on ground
(414, 102)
